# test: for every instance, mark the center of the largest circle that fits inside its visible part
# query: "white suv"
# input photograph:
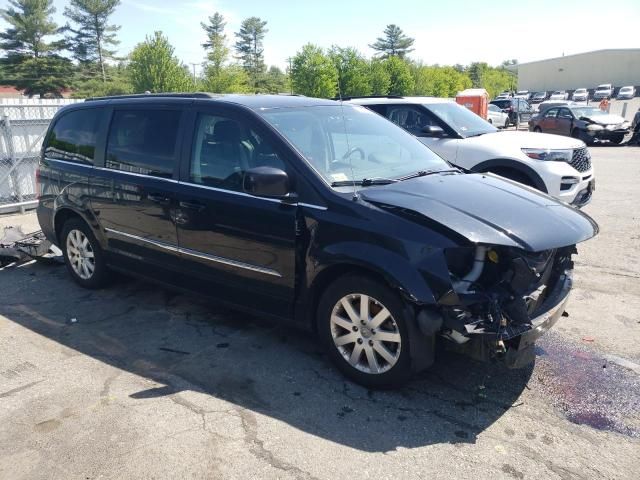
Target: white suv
(603, 91)
(557, 165)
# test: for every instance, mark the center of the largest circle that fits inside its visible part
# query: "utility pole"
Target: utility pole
(194, 74)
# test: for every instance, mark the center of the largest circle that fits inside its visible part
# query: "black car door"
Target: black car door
(238, 247)
(133, 193)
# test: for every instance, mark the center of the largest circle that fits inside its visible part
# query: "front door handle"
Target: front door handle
(192, 206)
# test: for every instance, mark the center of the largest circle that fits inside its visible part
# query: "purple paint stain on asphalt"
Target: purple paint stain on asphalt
(587, 388)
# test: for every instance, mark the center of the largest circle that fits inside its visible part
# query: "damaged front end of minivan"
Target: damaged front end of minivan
(501, 300)
(506, 276)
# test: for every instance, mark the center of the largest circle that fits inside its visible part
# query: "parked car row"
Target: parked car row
(327, 215)
(581, 94)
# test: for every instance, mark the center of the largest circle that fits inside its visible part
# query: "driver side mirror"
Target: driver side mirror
(432, 131)
(266, 182)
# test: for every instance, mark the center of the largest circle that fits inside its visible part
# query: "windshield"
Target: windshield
(462, 120)
(581, 90)
(351, 143)
(603, 87)
(588, 112)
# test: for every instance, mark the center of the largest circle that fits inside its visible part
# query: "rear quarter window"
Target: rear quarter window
(73, 136)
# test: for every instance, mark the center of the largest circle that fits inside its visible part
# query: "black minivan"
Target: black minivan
(314, 212)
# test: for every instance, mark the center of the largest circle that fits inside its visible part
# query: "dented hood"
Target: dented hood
(487, 209)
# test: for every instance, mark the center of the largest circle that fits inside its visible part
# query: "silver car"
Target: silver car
(626, 93)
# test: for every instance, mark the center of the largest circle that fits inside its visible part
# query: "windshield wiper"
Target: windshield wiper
(476, 134)
(365, 182)
(424, 173)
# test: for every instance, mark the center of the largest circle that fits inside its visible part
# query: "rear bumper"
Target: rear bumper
(45, 219)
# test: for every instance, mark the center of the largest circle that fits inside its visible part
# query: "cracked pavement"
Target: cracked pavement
(149, 383)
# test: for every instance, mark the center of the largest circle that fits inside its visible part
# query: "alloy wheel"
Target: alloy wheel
(365, 333)
(80, 254)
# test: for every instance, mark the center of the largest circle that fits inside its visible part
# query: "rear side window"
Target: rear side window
(73, 137)
(143, 141)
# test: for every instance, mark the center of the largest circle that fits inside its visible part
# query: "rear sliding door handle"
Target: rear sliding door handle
(159, 199)
(192, 206)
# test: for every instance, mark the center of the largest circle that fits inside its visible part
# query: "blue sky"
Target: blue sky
(446, 32)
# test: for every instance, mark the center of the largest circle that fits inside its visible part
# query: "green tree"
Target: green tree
(249, 46)
(476, 72)
(31, 63)
(227, 79)
(400, 80)
(153, 67)
(92, 33)
(353, 71)
(379, 77)
(439, 81)
(496, 80)
(274, 81)
(118, 83)
(214, 30)
(394, 43)
(313, 73)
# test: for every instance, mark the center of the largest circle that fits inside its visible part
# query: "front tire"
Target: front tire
(362, 325)
(82, 255)
(537, 130)
(617, 139)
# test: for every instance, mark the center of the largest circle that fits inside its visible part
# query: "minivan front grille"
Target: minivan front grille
(581, 159)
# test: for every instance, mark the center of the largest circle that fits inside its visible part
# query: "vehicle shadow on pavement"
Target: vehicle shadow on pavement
(186, 343)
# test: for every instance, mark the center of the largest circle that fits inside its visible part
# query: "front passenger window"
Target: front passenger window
(224, 149)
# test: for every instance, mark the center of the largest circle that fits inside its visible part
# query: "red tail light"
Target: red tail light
(38, 187)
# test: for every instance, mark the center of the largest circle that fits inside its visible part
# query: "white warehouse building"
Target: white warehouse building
(619, 67)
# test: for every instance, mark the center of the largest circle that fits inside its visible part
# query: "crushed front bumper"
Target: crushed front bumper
(552, 309)
(521, 342)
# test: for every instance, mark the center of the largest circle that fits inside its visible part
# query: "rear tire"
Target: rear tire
(82, 255)
(362, 325)
(537, 130)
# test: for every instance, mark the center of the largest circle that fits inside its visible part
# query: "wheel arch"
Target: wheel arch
(506, 164)
(65, 213)
(401, 278)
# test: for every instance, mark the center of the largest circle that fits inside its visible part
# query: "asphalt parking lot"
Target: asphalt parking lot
(138, 382)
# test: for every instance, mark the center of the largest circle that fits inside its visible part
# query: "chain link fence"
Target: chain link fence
(23, 124)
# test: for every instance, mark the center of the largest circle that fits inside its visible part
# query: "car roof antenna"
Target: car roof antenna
(346, 134)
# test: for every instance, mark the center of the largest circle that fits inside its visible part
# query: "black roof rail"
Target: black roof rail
(156, 95)
(367, 96)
